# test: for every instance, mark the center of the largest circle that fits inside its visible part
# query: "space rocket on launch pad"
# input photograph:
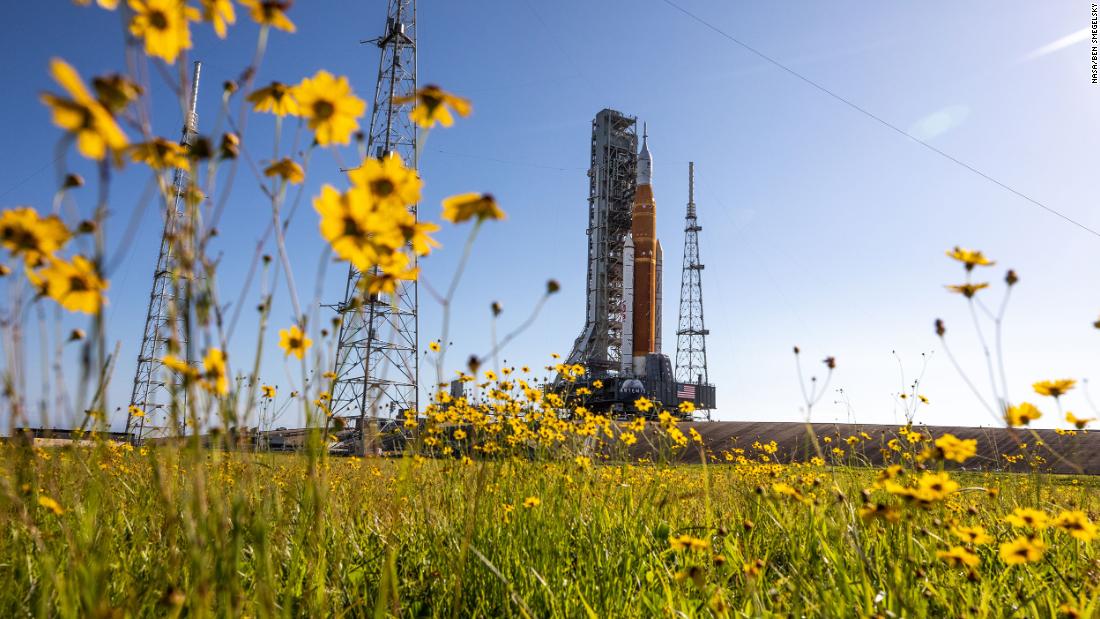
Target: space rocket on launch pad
(642, 272)
(620, 344)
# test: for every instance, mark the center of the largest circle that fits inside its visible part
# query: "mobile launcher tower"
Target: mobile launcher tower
(620, 345)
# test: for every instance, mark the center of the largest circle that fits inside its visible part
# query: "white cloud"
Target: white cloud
(939, 122)
(1070, 39)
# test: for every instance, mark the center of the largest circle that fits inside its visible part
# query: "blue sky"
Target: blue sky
(822, 228)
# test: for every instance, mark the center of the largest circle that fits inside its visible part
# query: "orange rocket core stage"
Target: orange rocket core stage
(643, 230)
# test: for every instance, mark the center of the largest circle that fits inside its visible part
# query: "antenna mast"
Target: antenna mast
(376, 355)
(152, 395)
(691, 335)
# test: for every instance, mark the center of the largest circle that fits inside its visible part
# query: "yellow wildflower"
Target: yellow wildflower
(695, 436)
(687, 408)
(135, 411)
(459, 434)
(434, 346)
(433, 105)
(967, 290)
(162, 24)
(115, 92)
(687, 542)
(969, 257)
(465, 206)
(956, 449)
(270, 13)
(286, 169)
(220, 13)
(276, 98)
(1077, 421)
(958, 556)
(1021, 414)
(532, 501)
(267, 391)
(387, 281)
(25, 234)
(387, 182)
(110, 5)
(83, 116)
(872, 511)
(294, 342)
(1077, 524)
(330, 106)
(1022, 550)
(215, 374)
(934, 487)
(176, 364)
(788, 490)
(75, 285)
(643, 404)
(1054, 388)
(891, 472)
(415, 233)
(51, 505)
(356, 232)
(975, 535)
(161, 154)
(1026, 517)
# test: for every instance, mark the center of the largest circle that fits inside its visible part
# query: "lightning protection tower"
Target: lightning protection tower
(691, 334)
(376, 354)
(152, 392)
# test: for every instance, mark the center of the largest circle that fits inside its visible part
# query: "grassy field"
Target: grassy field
(112, 531)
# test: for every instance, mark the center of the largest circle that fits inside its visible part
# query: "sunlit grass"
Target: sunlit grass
(165, 531)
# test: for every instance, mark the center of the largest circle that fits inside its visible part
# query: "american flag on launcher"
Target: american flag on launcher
(686, 391)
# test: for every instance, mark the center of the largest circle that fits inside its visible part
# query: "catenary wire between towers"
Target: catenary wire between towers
(876, 118)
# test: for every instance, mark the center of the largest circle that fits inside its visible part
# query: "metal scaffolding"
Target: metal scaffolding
(691, 335)
(612, 181)
(152, 392)
(376, 356)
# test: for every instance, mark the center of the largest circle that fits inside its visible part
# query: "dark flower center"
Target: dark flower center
(382, 187)
(351, 227)
(78, 284)
(323, 110)
(158, 20)
(430, 101)
(22, 238)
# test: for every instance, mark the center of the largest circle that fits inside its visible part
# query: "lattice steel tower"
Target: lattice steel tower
(152, 392)
(611, 183)
(376, 354)
(691, 335)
